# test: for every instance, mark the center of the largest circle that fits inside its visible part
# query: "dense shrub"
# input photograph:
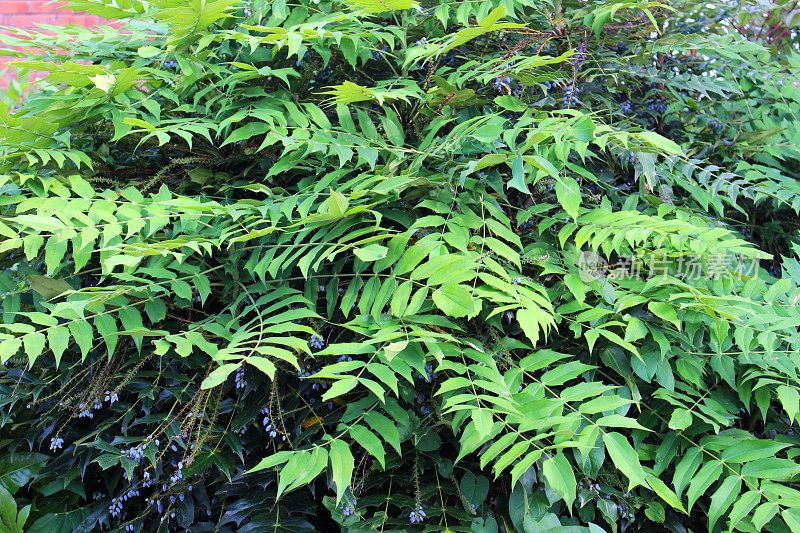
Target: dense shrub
(380, 265)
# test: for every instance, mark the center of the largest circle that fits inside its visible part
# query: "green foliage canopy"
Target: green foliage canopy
(381, 265)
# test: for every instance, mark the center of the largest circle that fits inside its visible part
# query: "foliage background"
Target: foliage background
(367, 265)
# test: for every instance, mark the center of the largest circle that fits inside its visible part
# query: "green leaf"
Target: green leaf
(518, 175)
(148, 51)
(34, 345)
(264, 365)
(680, 419)
(340, 387)
(83, 335)
(742, 507)
(752, 449)
(139, 122)
(489, 132)
(58, 340)
(792, 518)
(665, 311)
(8, 512)
(532, 321)
(80, 186)
(219, 375)
(9, 348)
(454, 300)
(601, 403)
(722, 499)
(575, 286)
(385, 428)
(561, 477)
(707, 475)
(381, 6)
(337, 204)
(772, 468)
(662, 143)
(490, 160)
(483, 421)
(790, 400)
(106, 326)
(624, 458)
(48, 287)
(298, 463)
(373, 252)
(367, 440)
(664, 492)
(394, 348)
(273, 460)
(342, 465)
(655, 512)
(764, 514)
(510, 103)
(568, 194)
(400, 298)
(18, 469)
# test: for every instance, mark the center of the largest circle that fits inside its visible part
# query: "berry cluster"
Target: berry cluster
(268, 425)
(528, 227)
(657, 106)
(115, 509)
(349, 508)
(85, 412)
(570, 97)
(421, 401)
(136, 453)
(580, 55)
(317, 341)
(429, 375)
(417, 516)
(503, 82)
(594, 489)
(239, 378)
(178, 475)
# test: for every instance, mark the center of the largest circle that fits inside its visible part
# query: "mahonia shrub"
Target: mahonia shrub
(370, 265)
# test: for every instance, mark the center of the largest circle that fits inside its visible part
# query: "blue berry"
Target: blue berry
(136, 453)
(417, 515)
(239, 378)
(317, 341)
(115, 509)
(570, 99)
(580, 55)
